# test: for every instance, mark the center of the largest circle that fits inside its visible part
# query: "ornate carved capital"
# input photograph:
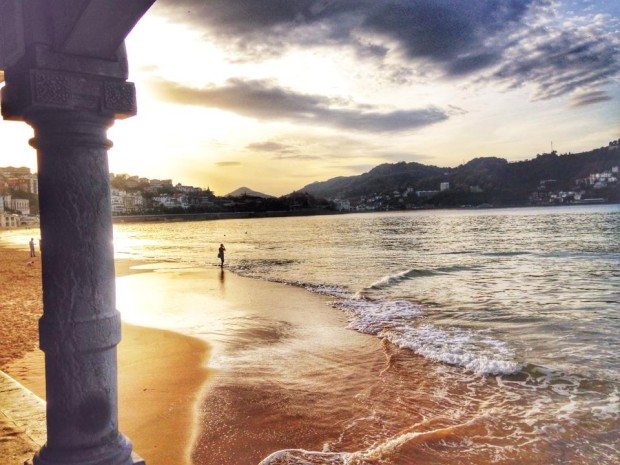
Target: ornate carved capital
(44, 90)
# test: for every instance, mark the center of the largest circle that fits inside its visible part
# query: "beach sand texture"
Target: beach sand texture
(161, 373)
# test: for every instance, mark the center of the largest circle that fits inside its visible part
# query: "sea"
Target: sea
(505, 322)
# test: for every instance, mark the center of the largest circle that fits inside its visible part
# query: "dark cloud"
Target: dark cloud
(446, 31)
(588, 98)
(562, 62)
(263, 100)
(228, 163)
(298, 156)
(281, 151)
(453, 34)
(270, 146)
(512, 42)
(456, 110)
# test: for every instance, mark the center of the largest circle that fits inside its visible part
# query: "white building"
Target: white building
(426, 194)
(118, 204)
(20, 205)
(7, 202)
(167, 201)
(444, 186)
(187, 189)
(133, 203)
(124, 202)
(9, 220)
(343, 205)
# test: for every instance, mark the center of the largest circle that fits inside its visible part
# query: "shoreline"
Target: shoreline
(188, 217)
(276, 351)
(172, 217)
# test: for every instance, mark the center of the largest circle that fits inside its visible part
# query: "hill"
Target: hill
(247, 192)
(481, 180)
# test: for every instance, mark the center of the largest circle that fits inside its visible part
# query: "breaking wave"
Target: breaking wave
(379, 451)
(401, 323)
(394, 279)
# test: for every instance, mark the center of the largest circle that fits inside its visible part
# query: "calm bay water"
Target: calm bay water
(512, 316)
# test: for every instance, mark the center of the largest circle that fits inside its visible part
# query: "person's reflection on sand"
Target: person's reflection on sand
(222, 278)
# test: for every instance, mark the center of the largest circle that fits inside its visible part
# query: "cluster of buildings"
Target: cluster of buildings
(586, 190)
(17, 185)
(126, 202)
(197, 200)
(600, 180)
(407, 198)
(132, 195)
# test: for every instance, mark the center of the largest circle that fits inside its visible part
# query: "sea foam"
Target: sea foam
(399, 322)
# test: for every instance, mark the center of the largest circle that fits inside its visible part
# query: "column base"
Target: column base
(135, 460)
(116, 453)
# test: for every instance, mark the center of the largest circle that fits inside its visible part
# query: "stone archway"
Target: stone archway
(65, 70)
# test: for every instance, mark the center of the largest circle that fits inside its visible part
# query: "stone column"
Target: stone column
(65, 70)
(80, 327)
(70, 102)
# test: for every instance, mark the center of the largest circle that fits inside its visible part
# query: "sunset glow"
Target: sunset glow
(280, 103)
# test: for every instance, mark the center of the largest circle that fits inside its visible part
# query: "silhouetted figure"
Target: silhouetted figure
(32, 251)
(220, 254)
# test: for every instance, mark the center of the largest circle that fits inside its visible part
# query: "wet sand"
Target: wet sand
(288, 374)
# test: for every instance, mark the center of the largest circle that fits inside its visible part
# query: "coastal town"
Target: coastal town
(473, 185)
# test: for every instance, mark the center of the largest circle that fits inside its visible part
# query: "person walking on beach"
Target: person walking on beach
(220, 254)
(32, 251)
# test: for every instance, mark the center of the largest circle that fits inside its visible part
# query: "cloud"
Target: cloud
(557, 61)
(299, 156)
(263, 100)
(509, 42)
(450, 33)
(281, 151)
(588, 98)
(270, 146)
(228, 163)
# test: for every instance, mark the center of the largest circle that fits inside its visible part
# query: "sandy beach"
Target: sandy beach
(161, 373)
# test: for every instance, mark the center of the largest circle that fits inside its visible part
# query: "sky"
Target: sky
(276, 94)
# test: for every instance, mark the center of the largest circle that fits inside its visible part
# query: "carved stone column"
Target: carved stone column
(65, 71)
(80, 327)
